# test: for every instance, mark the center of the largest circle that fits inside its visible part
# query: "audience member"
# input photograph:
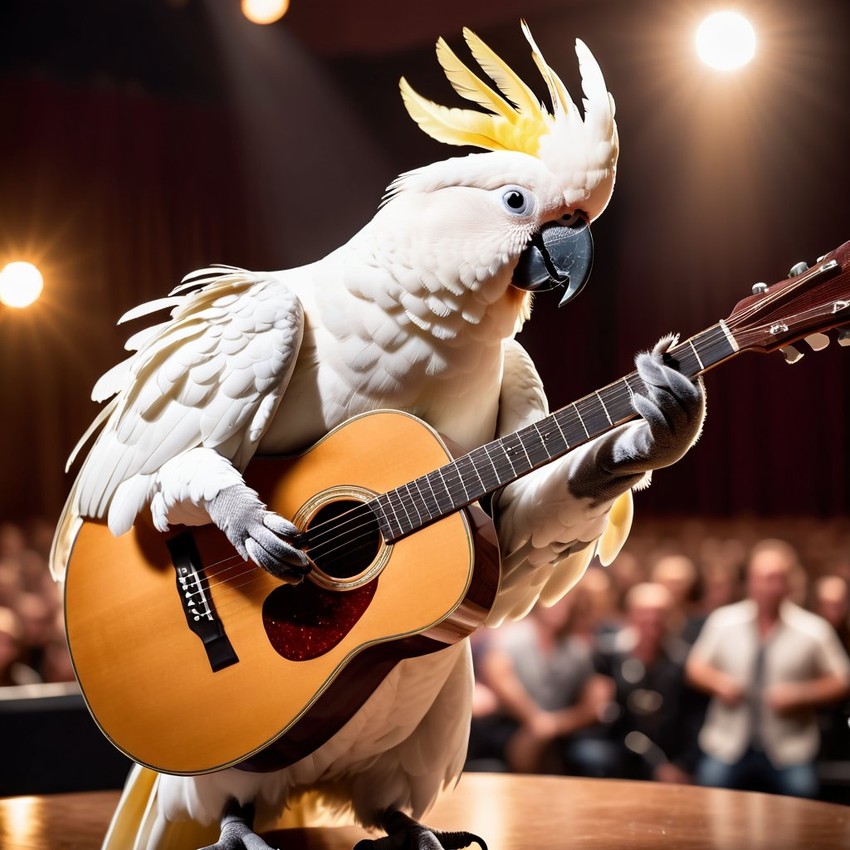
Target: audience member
(679, 575)
(832, 602)
(721, 585)
(652, 720)
(37, 621)
(603, 614)
(543, 677)
(13, 671)
(626, 571)
(11, 582)
(767, 665)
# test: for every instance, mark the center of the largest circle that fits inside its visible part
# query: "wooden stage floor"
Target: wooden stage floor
(512, 813)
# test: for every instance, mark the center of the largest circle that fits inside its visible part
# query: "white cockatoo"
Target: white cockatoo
(417, 312)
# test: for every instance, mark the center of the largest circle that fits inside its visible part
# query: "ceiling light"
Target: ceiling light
(264, 11)
(726, 41)
(20, 284)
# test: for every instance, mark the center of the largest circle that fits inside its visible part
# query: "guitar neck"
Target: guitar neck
(484, 470)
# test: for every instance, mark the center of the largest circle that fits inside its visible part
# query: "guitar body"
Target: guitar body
(192, 660)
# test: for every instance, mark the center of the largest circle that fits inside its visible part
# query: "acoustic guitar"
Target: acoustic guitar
(192, 660)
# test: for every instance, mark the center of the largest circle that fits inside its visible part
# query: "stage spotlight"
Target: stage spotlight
(20, 284)
(726, 41)
(264, 11)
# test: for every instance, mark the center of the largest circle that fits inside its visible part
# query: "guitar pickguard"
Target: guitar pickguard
(306, 621)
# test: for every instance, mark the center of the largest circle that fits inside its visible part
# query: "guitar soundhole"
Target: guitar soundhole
(344, 539)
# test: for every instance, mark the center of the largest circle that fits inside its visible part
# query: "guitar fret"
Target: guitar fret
(486, 450)
(602, 402)
(443, 490)
(594, 418)
(433, 511)
(400, 502)
(553, 438)
(543, 438)
(383, 519)
(448, 473)
(414, 501)
(461, 466)
(566, 424)
(554, 418)
(395, 526)
(487, 473)
(513, 456)
(580, 419)
(696, 354)
(456, 470)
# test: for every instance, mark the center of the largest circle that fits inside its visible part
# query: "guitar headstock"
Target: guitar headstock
(809, 302)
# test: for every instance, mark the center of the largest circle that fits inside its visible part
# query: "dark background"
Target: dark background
(142, 139)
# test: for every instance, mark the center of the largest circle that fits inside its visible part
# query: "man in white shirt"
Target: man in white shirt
(767, 665)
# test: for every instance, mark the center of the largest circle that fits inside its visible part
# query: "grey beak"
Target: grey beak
(558, 255)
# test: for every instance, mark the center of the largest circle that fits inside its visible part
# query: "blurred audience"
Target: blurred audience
(32, 634)
(652, 720)
(767, 665)
(541, 673)
(639, 615)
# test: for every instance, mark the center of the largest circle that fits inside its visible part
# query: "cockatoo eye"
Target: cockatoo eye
(517, 201)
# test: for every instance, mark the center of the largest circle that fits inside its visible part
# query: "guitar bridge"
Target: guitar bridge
(196, 601)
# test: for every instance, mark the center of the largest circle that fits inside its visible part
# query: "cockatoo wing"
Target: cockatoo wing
(212, 376)
(548, 537)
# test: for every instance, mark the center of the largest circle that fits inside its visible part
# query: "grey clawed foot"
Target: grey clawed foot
(404, 833)
(269, 540)
(237, 830)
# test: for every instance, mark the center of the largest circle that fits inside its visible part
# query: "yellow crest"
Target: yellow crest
(517, 119)
(514, 119)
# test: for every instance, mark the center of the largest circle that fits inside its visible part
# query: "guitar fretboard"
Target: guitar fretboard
(484, 470)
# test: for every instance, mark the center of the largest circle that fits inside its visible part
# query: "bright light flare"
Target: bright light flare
(264, 11)
(20, 284)
(726, 41)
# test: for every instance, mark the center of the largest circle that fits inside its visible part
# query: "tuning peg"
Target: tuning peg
(818, 341)
(759, 288)
(791, 354)
(844, 337)
(798, 269)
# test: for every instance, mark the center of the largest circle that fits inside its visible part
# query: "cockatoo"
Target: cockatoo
(417, 312)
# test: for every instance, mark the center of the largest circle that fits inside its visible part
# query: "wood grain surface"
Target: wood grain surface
(512, 813)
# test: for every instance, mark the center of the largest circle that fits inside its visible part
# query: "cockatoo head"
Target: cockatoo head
(547, 176)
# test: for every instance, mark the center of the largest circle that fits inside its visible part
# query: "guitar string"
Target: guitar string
(370, 525)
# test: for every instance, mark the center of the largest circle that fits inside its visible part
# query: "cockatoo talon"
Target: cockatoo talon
(237, 830)
(404, 833)
(290, 570)
(268, 539)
